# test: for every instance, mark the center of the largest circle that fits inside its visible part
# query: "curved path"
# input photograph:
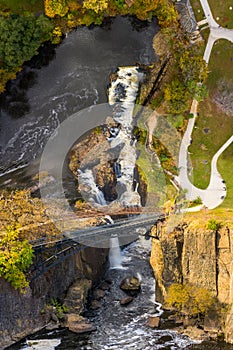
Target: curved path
(215, 193)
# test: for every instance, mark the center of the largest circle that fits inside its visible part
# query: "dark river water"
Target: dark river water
(76, 77)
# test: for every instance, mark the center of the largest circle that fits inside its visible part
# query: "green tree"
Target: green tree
(16, 256)
(20, 37)
(176, 95)
(193, 67)
(197, 90)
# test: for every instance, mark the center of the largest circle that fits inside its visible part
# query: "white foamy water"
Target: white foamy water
(89, 189)
(42, 344)
(122, 96)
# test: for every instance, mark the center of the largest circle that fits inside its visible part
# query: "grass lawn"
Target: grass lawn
(197, 9)
(220, 8)
(226, 170)
(22, 6)
(213, 127)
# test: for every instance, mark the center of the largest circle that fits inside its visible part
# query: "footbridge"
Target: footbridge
(49, 254)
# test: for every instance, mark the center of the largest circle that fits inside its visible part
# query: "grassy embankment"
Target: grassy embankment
(213, 126)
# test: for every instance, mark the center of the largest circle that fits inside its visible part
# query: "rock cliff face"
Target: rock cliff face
(23, 314)
(193, 254)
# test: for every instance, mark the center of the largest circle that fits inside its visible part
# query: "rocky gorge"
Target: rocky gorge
(37, 308)
(194, 254)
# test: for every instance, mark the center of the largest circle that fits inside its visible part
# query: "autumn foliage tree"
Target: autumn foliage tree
(15, 257)
(95, 5)
(189, 298)
(18, 208)
(55, 8)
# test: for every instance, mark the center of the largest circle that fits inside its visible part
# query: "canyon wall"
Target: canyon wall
(196, 255)
(23, 314)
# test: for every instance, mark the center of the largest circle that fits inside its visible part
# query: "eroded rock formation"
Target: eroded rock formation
(199, 256)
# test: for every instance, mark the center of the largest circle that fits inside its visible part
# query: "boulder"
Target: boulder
(78, 324)
(95, 304)
(99, 294)
(130, 284)
(153, 322)
(126, 301)
(105, 285)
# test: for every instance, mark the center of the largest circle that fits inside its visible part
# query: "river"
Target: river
(76, 77)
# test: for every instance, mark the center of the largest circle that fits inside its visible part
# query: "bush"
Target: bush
(213, 225)
(191, 299)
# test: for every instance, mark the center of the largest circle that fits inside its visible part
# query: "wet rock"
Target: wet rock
(153, 322)
(78, 324)
(105, 285)
(130, 284)
(77, 294)
(126, 301)
(165, 338)
(95, 304)
(99, 294)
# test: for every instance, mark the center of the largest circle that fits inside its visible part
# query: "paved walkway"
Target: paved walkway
(215, 193)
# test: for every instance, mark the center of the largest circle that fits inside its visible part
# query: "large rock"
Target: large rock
(130, 284)
(76, 297)
(153, 322)
(126, 301)
(78, 324)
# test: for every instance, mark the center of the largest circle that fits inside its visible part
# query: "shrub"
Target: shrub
(213, 225)
(192, 299)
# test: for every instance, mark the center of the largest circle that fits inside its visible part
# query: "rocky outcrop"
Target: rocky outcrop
(68, 282)
(196, 255)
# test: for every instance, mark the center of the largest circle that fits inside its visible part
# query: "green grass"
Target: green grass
(21, 6)
(218, 125)
(226, 171)
(197, 9)
(220, 8)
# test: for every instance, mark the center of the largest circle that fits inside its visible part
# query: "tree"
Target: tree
(95, 5)
(193, 67)
(197, 90)
(18, 208)
(56, 8)
(16, 256)
(20, 37)
(176, 94)
(166, 14)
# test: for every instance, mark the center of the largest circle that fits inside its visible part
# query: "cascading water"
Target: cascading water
(89, 189)
(115, 257)
(122, 95)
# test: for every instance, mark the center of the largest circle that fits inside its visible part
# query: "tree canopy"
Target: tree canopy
(15, 257)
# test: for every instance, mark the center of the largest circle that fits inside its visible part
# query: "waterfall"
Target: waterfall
(115, 257)
(89, 189)
(122, 95)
